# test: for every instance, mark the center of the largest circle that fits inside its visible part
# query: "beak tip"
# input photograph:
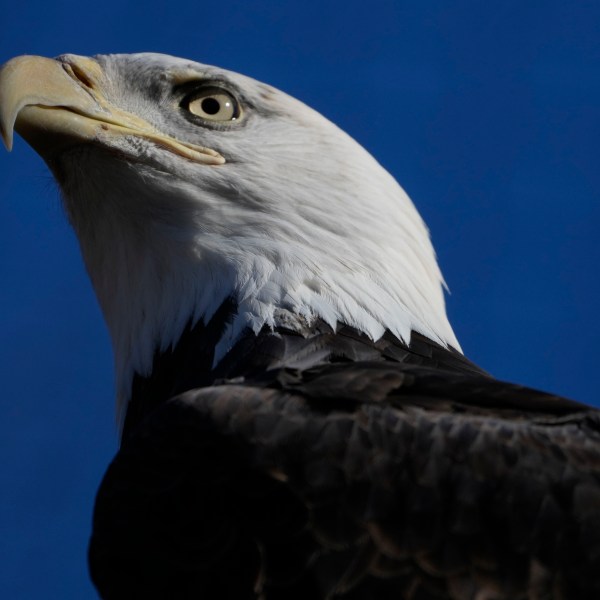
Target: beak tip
(7, 138)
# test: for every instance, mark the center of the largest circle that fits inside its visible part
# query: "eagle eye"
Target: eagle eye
(212, 104)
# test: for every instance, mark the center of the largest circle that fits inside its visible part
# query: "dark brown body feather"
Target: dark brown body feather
(357, 470)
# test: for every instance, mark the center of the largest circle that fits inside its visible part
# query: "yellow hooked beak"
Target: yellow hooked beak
(55, 105)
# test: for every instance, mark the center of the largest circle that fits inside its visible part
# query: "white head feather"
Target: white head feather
(300, 222)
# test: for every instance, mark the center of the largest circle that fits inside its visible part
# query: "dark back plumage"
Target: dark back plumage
(356, 469)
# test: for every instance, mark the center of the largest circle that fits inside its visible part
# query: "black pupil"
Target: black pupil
(210, 106)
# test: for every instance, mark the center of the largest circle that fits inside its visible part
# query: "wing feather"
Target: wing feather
(365, 480)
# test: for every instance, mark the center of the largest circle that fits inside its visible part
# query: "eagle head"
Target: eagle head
(189, 185)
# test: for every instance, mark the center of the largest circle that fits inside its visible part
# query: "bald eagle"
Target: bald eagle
(298, 420)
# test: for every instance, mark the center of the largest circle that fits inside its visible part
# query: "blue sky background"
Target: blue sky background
(488, 113)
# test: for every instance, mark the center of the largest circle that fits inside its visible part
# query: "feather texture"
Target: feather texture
(372, 479)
